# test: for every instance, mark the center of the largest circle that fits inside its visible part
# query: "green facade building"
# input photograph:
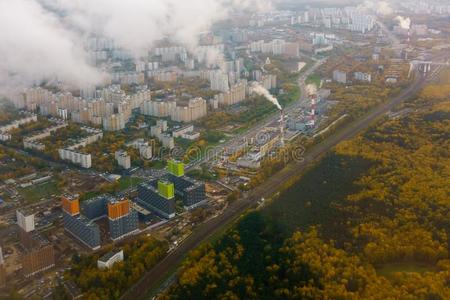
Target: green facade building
(166, 189)
(176, 168)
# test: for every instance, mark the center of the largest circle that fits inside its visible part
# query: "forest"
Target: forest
(139, 256)
(369, 221)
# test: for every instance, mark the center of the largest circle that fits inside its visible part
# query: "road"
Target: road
(394, 40)
(213, 153)
(206, 230)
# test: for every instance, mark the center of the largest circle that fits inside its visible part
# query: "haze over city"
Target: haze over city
(224, 149)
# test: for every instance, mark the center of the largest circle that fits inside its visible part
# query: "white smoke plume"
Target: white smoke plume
(403, 22)
(35, 46)
(42, 39)
(260, 90)
(380, 7)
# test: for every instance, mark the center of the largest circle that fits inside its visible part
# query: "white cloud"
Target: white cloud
(35, 46)
(44, 38)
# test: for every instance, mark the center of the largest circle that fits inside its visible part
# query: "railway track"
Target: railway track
(156, 275)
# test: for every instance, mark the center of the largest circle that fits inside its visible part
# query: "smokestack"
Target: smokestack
(313, 98)
(282, 127)
(409, 36)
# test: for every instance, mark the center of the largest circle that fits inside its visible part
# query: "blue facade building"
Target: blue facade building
(123, 220)
(192, 192)
(150, 199)
(95, 208)
(83, 229)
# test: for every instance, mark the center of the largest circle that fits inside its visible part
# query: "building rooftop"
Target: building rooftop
(108, 256)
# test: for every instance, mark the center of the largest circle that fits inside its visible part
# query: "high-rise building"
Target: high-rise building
(123, 159)
(235, 95)
(39, 253)
(158, 108)
(192, 192)
(95, 208)
(114, 122)
(219, 81)
(166, 189)
(150, 198)
(123, 220)
(25, 221)
(83, 229)
(39, 258)
(70, 205)
(194, 110)
(175, 167)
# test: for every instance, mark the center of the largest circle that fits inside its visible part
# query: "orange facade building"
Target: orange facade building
(118, 208)
(70, 205)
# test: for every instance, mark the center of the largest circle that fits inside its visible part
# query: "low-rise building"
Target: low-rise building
(109, 259)
(32, 142)
(186, 132)
(340, 76)
(361, 76)
(16, 123)
(82, 159)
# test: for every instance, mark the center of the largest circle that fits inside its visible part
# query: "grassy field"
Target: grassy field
(126, 182)
(313, 79)
(34, 193)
